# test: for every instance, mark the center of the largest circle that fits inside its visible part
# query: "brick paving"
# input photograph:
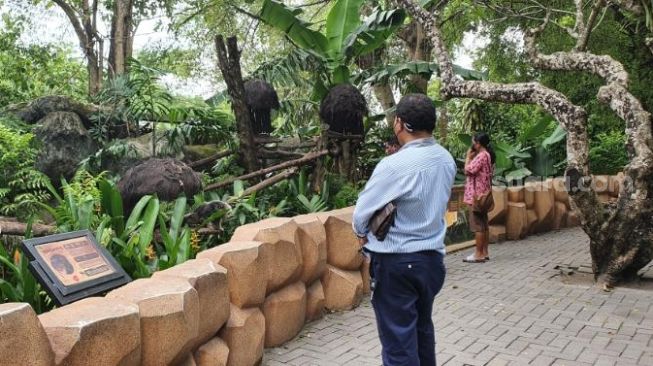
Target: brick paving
(513, 310)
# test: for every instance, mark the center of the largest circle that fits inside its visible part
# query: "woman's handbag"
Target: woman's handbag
(483, 203)
(382, 221)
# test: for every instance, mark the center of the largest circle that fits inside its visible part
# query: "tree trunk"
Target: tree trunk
(443, 124)
(621, 235)
(121, 37)
(229, 62)
(383, 93)
(418, 48)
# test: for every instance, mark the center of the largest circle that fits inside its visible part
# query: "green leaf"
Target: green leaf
(342, 19)
(558, 135)
(177, 217)
(112, 205)
(135, 216)
(285, 19)
(374, 31)
(518, 174)
(146, 232)
(536, 130)
(511, 151)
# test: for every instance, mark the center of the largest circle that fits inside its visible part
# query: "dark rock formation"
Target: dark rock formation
(65, 143)
(37, 109)
(167, 178)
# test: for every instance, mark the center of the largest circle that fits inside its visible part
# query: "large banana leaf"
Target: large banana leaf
(558, 135)
(343, 19)
(373, 32)
(536, 130)
(285, 19)
(383, 73)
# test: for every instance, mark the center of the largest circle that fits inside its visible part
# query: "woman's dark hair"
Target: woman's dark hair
(417, 112)
(484, 139)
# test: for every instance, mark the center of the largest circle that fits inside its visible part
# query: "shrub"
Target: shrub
(607, 153)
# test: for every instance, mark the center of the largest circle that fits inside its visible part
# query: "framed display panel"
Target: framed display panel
(73, 266)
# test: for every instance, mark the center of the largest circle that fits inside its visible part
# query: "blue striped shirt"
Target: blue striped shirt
(418, 179)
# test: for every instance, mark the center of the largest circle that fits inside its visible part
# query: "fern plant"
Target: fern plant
(21, 186)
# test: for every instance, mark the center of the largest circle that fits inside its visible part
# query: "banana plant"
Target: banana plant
(346, 36)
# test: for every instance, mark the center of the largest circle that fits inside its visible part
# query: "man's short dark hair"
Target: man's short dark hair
(417, 112)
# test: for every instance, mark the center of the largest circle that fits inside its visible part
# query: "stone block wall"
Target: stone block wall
(234, 300)
(538, 207)
(222, 308)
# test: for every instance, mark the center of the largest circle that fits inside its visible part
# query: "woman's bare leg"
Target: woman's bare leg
(486, 244)
(480, 244)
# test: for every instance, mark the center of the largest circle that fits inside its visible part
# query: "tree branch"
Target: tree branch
(583, 39)
(302, 161)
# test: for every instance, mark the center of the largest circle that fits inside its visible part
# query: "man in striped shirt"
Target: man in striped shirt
(407, 267)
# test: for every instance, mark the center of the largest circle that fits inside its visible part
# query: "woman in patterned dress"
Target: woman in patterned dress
(479, 167)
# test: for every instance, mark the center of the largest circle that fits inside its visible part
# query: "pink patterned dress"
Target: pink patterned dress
(479, 177)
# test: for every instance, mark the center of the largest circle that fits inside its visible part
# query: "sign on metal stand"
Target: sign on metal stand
(73, 266)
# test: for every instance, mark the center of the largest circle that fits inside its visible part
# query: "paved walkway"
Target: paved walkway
(514, 310)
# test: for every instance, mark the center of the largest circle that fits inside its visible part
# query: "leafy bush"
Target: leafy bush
(607, 154)
(21, 186)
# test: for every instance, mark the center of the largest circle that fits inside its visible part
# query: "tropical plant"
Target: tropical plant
(345, 36)
(17, 284)
(21, 186)
(607, 154)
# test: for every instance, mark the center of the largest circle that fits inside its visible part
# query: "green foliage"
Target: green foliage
(27, 72)
(17, 284)
(346, 36)
(607, 153)
(21, 186)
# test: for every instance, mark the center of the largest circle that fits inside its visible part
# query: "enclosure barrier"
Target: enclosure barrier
(256, 291)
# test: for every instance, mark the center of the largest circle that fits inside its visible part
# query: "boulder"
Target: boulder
(515, 194)
(169, 312)
(198, 152)
(210, 282)
(498, 214)
(285, 312)
(246, 264)
(315, 301)
(65, 143)
(285, 253)
(343, 290)
(22, 338)
(343, 250)
(38, 108)
(213, 353)
(313, 242)
(544, 200)
(516, 221)
(95, 331)
(166, 178)
(365, 275)
(560, 217)
(244, 334)
(497, 233)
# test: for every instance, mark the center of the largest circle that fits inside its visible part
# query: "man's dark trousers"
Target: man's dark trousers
(404, 287)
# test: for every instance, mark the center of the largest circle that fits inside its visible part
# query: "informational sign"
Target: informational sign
(73, 266)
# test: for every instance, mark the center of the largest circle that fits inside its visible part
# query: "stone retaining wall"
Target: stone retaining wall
(222, 308)
(541, 206)
(256, 291)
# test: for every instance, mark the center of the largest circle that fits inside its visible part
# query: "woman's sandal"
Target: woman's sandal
(471, 259)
